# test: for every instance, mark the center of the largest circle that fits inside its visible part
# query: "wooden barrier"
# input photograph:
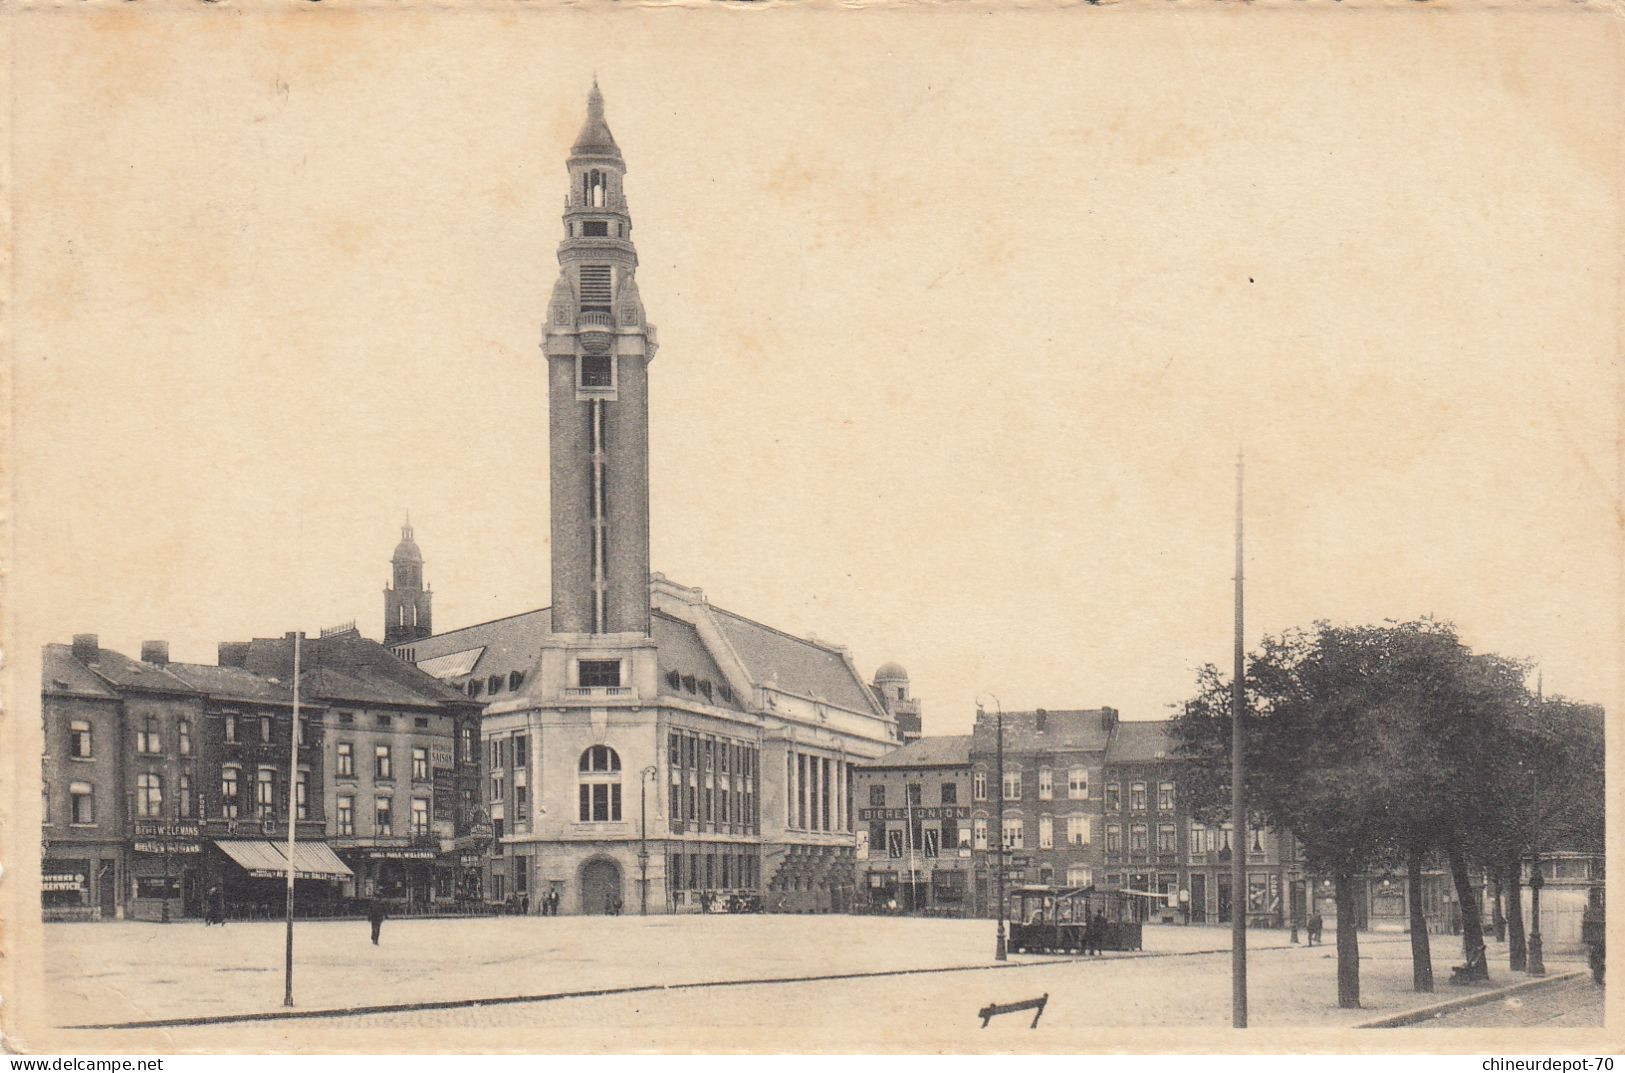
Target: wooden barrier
(993, 1009)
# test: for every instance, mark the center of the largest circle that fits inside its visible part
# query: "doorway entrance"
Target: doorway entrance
(601, 886)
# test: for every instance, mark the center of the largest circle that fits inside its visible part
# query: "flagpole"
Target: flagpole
(293, 812)
(1238, 801)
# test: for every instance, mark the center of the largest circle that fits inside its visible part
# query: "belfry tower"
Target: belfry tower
(598, 348)
(406, 601)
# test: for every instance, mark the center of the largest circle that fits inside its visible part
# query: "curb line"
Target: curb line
(1428, 1013)
(555, 996)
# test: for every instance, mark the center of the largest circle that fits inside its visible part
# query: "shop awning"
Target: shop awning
(267, 860)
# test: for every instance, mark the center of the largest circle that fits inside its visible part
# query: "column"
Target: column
(792, 790)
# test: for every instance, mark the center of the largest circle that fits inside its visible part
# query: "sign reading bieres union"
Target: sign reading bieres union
(919, 812)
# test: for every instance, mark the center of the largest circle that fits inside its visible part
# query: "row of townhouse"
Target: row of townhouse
(164, 780)
(1084, 799)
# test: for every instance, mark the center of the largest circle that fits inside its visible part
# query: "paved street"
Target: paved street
(704, 981)
(1570, 1004)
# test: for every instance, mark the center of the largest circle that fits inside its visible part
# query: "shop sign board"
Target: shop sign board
(168, 847)
(445, 792)
(918, 812)
(166, 829)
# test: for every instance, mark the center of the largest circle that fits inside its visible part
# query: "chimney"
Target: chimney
(233, 654)
(85, 647)
(155, 652)
(1043, 720)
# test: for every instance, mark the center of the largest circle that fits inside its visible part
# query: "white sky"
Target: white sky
(961, 322)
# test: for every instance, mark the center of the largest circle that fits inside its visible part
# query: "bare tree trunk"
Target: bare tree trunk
(1421, 953)
(1472, 924)
(1517, 948)
(1348, 945)
(1498, 917)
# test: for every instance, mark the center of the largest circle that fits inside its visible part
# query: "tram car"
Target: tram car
(1051, 920)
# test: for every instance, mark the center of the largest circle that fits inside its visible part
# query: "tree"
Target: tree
(1373, 745)
(1315, 762)
(1546, 775)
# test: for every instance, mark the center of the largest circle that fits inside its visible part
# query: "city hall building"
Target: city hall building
(642, 747)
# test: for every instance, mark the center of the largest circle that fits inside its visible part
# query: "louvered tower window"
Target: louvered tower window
(595, 288)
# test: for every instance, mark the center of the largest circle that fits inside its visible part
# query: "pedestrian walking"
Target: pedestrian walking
(1100, 931)
(375, 916)
(216, 911)
(1315, 924)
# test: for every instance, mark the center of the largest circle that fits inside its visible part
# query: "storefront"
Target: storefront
(166, 870)
(405, 875)
(68, 889)
(253, 874)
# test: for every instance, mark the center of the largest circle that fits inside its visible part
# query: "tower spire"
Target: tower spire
(598, 348)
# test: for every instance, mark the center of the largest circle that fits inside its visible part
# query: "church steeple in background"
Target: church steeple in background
(407, 615)
(598, 347)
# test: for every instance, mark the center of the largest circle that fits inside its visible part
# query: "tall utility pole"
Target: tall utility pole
(1238, 803)
(999, 952)
(293, 810)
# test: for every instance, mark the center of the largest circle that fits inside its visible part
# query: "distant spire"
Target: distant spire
(406, 527)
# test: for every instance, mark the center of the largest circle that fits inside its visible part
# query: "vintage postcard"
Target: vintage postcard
(799, 528)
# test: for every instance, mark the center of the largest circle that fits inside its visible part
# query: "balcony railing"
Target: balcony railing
(605, 321)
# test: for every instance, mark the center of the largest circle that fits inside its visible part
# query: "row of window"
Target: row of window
(1138, 838)
(713, 781)
(235, 729)
(701, 686)
(926, 839)
(382, 719)
(1137, 797)
(149, 739)
(1077, 784)
(947, 794)
(383, 817)
(383, 761)
(493, 684)
(1077, 789)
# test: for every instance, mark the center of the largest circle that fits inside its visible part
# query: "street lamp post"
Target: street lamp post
(1238, 798)
(1000, 952)
(1536, 965)
(644, 778)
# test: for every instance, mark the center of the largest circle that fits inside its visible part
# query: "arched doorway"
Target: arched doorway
(600, 886)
